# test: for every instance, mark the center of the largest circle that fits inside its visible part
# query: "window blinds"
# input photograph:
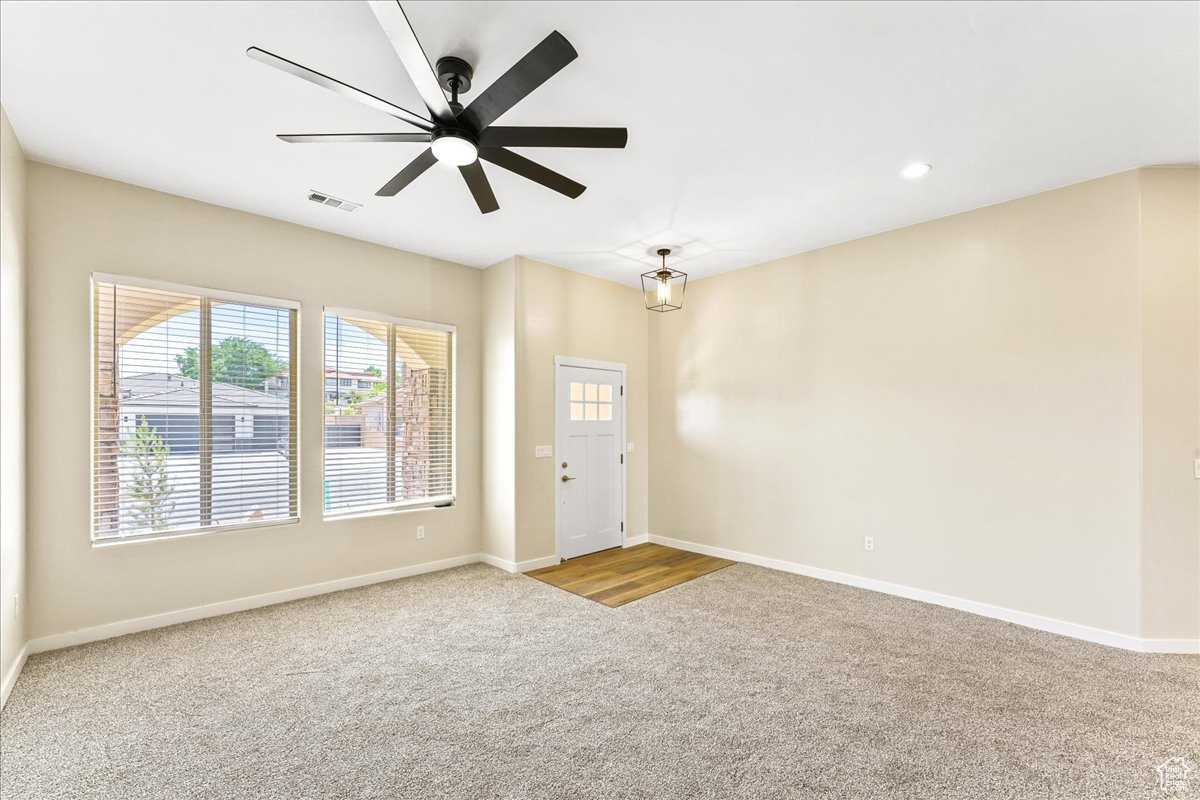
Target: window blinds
(389, 413)
(194, 401)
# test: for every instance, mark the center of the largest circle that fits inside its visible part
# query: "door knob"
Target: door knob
(565, 479)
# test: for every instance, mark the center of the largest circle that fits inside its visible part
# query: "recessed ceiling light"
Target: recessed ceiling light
(914, 171)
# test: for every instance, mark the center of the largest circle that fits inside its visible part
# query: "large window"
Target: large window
(194, 400)
(389, 413)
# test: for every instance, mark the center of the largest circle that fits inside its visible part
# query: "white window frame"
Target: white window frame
(414, 505)
(210, 294)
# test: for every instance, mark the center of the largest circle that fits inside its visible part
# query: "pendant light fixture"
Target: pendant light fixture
(664, 287)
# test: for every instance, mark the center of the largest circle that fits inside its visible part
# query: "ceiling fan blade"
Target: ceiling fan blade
(481, 188)
(304, 138)
(535, 68)
(334, 85)
(502, 136)
(404, 41)
(407, 175)
(532, 170)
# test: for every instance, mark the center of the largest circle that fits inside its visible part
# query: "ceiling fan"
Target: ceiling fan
(457, 135)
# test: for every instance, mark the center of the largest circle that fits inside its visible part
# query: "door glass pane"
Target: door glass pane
(576, 412)
(577, 392)
(605, 412)
(589, 413)
(589, 392)
(605, 393)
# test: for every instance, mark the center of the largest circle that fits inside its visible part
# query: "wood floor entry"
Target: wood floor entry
(624, 574)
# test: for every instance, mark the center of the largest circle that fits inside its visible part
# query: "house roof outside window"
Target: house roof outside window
(163, 393)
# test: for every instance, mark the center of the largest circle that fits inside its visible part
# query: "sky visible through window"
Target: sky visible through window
(345, 340)
(270, 330)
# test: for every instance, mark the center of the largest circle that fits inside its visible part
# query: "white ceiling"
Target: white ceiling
(758, 129)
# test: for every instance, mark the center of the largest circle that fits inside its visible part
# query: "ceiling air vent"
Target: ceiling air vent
(333, 202)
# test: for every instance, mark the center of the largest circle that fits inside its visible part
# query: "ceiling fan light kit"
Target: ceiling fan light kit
(453, 147)
(664, 287)
(457, 135)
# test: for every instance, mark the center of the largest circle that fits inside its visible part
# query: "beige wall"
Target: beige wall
(967, 391)
(532, 313)
(1001, 398)
(564, 313)
(498, 525)
(12, 398)
(79, 224)
(1170, 270)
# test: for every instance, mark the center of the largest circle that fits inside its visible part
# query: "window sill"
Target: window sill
(387, 512)
(121, 541)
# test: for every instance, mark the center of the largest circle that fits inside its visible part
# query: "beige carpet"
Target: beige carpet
(472, 683)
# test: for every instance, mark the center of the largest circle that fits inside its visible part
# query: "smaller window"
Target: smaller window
(389, 443)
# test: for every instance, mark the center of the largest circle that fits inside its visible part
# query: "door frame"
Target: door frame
(586, 363)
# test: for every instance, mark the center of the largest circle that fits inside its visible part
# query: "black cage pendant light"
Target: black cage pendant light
(664, 287)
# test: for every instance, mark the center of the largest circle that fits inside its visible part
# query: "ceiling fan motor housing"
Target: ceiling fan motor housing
(454, 74)
(441, 132)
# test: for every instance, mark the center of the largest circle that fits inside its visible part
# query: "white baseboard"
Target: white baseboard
(14, 672)
(84, 635)
(518, 566)
(497, 562)
(536, 563)
(110, 630)
(545, 561)
(1038, 622)
(1170, 646)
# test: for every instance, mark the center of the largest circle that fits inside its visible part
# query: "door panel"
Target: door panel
(604, 457)
(590, 457)
(574, 494)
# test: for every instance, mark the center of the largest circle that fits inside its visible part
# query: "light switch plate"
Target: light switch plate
(1198, 469)
(543, 451)
(629, 447)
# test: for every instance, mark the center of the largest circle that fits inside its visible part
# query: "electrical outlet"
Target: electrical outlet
(420, 531)
(629, 448)
(869, 543)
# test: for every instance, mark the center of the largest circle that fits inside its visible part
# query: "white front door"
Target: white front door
(589, 460)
